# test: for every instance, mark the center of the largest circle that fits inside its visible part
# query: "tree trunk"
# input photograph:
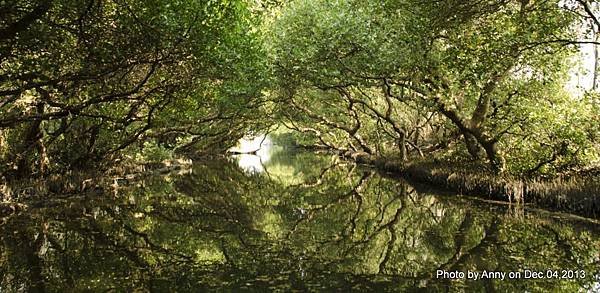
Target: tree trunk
(496, 160)
(402, 145)
(32, 140)
(472, 146)
(596, 61)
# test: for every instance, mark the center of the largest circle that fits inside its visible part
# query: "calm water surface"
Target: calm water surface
(292, 222)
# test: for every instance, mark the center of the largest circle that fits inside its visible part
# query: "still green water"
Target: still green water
(289, 222)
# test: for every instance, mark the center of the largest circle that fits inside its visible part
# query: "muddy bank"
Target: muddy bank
(578, 195)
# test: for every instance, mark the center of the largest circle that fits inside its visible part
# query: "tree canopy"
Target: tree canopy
(88, 82)
(83, 80)
(363, 74)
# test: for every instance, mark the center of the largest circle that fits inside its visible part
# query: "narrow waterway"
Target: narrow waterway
(286, 220)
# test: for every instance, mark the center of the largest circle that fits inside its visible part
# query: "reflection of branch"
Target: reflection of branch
(490, 238)
(566, 247)
(154, 246)
(356, 194)
(383, 210)
(100, 237)
(319, 179)
(146, 238)
(390, 245)
(310, 212)
(459, 240)
(262, 164)
(387, 226)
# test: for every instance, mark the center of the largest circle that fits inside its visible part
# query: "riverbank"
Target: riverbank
(14, 193)
(579, 195)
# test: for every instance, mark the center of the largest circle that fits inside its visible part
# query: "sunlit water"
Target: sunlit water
(261, 153)
(294, 222)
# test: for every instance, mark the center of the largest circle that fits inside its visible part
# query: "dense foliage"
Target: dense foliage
(477, 79)
(81, 81)
(90, 82)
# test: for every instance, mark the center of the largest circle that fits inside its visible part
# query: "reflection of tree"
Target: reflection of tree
(393, 230)
(23, 249)
(341, 227)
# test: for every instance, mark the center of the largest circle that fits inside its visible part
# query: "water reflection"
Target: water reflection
(307, 223)
(254, 153)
